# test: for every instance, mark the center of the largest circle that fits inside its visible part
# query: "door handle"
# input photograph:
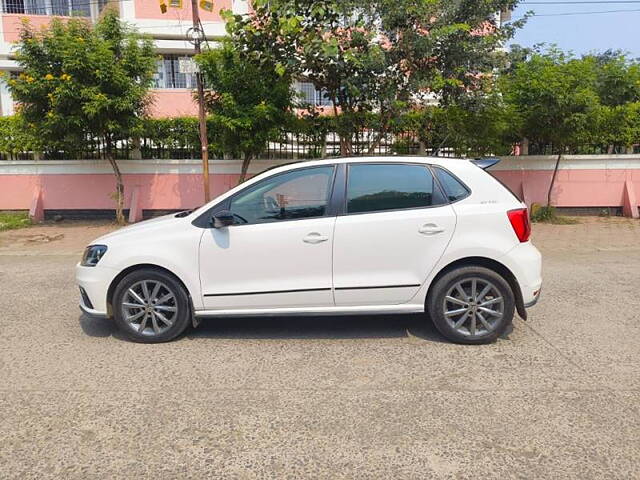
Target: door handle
(430, 229)
(315, 237)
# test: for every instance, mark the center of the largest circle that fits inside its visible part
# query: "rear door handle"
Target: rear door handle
(430, 229)
(315, 237)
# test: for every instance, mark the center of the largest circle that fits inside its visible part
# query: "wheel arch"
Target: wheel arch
(116, 280)
(491, 264)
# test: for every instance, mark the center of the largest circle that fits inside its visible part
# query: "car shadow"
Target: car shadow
(292, 328)
(97, 327)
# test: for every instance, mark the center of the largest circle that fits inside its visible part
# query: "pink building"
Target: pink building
(173, 88)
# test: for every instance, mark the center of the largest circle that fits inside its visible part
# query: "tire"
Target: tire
(447, 305)
(166, 312)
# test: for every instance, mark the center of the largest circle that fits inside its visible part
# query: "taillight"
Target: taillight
(519, 219)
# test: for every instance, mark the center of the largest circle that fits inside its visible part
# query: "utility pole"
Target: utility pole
(197, 35)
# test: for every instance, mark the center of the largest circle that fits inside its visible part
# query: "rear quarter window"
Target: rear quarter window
(453, 188)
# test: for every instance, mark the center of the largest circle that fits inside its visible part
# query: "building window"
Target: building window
(67, 8)
(310, 95)
(168, 74)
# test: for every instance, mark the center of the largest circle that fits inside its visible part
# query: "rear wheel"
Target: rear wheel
(471, 305)
(151, 306)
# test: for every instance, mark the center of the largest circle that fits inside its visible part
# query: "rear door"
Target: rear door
(395, 227)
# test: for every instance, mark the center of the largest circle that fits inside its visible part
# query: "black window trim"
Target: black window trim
(204, 220)
(442, 189)
(345, 212)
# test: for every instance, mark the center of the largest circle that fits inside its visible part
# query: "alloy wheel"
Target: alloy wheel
(149, 307)
(473, 307)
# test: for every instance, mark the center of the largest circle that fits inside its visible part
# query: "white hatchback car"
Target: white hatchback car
(341, 236)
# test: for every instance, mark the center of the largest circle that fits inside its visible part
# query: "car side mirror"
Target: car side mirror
(222, 219)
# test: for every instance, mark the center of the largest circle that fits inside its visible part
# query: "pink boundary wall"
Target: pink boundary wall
(583, 181)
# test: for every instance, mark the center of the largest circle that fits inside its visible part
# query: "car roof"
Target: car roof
(442, 161)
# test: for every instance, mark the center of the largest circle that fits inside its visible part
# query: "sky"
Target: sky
(585, 32)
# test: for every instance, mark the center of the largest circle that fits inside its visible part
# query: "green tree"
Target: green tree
(618, 87)
(553, 100)
(478, 126)
(382, 55)
(620, 125)
(617, 78)
(248, 102)
(16, 137)
(83, 84)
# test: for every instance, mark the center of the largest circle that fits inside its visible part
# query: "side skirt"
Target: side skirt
(347, 310)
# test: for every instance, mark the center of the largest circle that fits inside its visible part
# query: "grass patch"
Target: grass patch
(13, 220)
(548, 214)
(562, 220)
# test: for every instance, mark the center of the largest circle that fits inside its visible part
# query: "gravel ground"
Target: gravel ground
(356, 397)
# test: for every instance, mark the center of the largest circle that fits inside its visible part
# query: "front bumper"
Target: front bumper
(91, 313)
(94, 283)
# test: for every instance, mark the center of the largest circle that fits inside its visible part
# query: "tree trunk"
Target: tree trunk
(346, 148)
(553, 179)
(119, 190)
(384, 126)
(345, 143)
(245, 168)
(378, 140)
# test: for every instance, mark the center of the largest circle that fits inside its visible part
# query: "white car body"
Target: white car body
(376, 262)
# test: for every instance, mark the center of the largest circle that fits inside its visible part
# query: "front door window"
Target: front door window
(293, 195)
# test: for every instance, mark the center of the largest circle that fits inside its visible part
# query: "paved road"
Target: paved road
(375, 397)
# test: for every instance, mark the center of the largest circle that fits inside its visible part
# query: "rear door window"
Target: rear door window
(380, 187)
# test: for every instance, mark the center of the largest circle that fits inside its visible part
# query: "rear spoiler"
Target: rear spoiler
(485, 162)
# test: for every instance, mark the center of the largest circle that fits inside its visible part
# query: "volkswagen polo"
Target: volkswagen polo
(348, 236)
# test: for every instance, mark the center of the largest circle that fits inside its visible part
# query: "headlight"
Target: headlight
(92, 255)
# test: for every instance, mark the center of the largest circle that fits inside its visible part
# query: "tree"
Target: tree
(617, 78)
(620, 125)
(553, 100)
(618, 87)
(248, 102)
(382, 55)
(478, 126)
(84, 84)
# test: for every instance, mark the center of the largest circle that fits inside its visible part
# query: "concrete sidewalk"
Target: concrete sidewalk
(356, 397)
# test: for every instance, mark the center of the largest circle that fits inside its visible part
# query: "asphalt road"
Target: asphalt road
(356, 397)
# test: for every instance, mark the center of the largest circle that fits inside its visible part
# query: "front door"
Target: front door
(278, 254)
(396, 227)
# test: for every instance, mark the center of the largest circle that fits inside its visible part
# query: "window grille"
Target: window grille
(168, 74)
(67, 8)
(310, 95)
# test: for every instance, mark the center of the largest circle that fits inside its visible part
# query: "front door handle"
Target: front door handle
(315, 237)
(430, 229)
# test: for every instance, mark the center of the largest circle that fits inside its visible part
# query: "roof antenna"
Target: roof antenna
(435, 154)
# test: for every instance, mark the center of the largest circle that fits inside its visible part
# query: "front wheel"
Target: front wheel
(471, 305)
(151, 306)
